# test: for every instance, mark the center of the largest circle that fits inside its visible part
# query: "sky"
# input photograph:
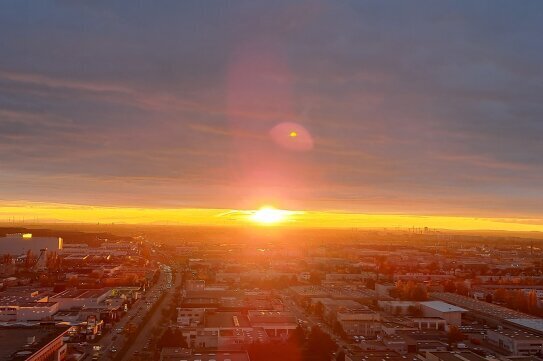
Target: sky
(355, 108)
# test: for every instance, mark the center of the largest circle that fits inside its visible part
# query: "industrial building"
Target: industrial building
(450, 313)
(17, 244)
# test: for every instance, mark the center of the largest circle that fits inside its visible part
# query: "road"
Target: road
(147, 332)
(115, 339)
(310, 321)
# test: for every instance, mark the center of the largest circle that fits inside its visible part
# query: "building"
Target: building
(277, 324)
(397, 307)
(26, 304)
(195, 285)
(33, 343)
(359, 321)
(483, 311)
(76, 298)
(429, 323)
(516, 342)
(28, 311)
(17, 244)
(450, 313)
(219, 330)
(190, 316)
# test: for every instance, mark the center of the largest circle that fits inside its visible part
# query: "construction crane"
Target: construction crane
(41, 262)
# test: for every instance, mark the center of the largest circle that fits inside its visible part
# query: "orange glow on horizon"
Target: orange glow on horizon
(70, 213)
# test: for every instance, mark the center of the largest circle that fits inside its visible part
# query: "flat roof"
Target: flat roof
(531, 324)
(271, 317)
(457, 356)
(481, 307)
(443, 306)
(13, 340)
(226, 320)
(517, 334)
(81, 293)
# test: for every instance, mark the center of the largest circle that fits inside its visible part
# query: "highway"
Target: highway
(146, 333)
(115, 339)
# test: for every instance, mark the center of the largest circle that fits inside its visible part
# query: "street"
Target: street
(147, 332)
(116, 337)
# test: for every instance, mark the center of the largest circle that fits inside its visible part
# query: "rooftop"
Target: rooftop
(517, 334)
(457, 356)
(81, 293)
(14, 340)
(226, 320)
(443, 306)
(276, 317)
(488, 309)
(535, 325)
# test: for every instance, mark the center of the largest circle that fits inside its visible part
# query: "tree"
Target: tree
(320, 345)
(370, 283)
(338, 328)
(454, 335)
(29, 259)
(410, 291)
(172, 338)
(297, 336)
(318, 309)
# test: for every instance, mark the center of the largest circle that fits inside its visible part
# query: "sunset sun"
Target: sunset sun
(269, 215)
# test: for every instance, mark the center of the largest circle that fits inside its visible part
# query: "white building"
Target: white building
(359, 321)
(20, 243)
(76, 298)
(30, 311)
(276, 323)
(450, 313)
(516, 342)
(190, 316)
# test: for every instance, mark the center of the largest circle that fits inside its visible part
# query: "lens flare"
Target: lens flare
(292, 136)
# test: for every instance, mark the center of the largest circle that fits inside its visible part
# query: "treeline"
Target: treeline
(409, 291)
(519, 300)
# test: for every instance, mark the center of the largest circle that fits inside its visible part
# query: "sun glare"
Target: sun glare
(268, 215)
